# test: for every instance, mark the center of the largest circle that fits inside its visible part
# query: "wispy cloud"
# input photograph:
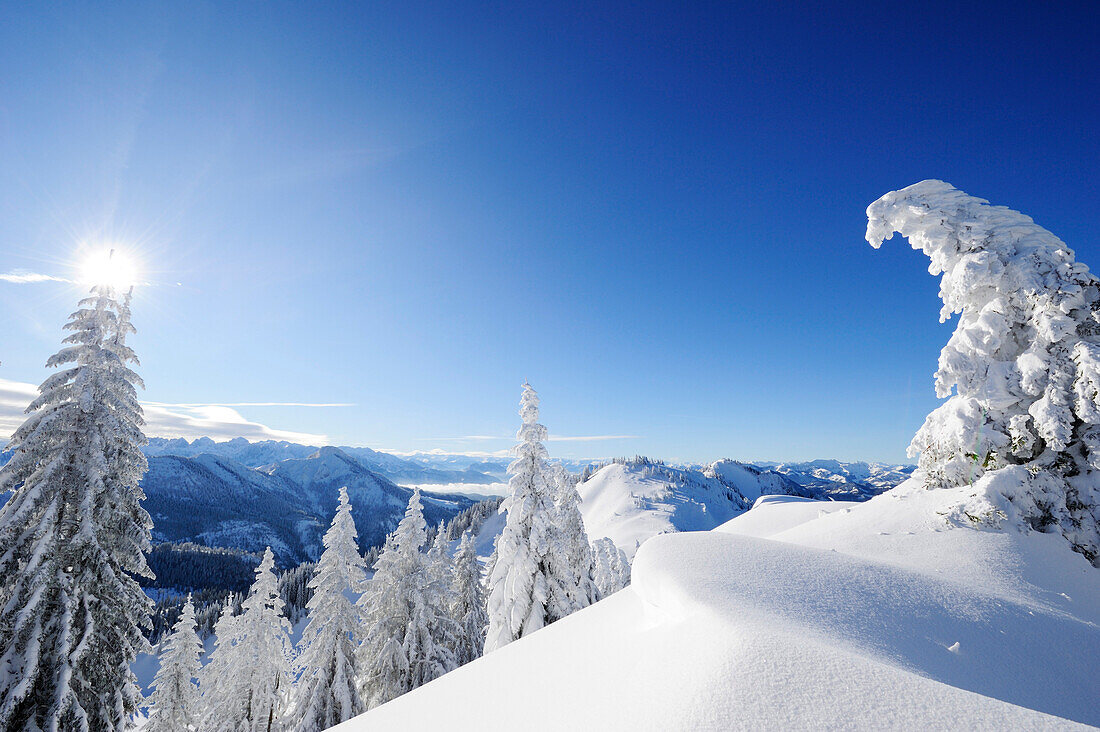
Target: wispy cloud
(551, 438)
(590, 438)
(22, 277)
(216, 421)
(194, 405)
(451, 453)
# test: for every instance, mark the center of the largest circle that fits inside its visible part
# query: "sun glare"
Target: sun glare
(109, 267)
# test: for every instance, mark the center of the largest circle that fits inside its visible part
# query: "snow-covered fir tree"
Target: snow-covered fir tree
(219, 706)
(574, 563)
(262, 653)
(402, 647)
(73, 536)
(611, 568)
(468, 603)
(326, 692)
(174, 704)
(524, 581)
(1021, 373)
(440, 568)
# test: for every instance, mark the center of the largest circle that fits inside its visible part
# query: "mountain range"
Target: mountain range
(213, 500)
(395, 468)
(248, 495)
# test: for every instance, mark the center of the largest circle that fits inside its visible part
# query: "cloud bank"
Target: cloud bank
(190, 421)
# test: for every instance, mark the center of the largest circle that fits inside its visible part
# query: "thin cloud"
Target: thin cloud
(22, 277)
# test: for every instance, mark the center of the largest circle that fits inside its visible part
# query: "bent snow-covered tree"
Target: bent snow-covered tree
(73, 536)
(1021, 373)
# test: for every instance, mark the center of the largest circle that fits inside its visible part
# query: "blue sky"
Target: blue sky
(653, 212)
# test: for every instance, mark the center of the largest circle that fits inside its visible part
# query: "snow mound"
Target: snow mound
(804, 615)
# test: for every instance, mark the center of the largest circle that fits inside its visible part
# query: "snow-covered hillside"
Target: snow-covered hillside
(630, 501)
(216, 501)
(805, 615)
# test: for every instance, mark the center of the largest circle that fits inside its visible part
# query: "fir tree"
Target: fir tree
(219, 705)
(262, 653)
(174, 704)
(524, 582)
(468, 603)
(73, 536)
(326, 692)
(407, 641)
(573, 563)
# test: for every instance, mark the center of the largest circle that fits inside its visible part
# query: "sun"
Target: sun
(110, 267)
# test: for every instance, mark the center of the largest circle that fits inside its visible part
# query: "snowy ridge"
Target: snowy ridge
(630, 501)
(933, 635)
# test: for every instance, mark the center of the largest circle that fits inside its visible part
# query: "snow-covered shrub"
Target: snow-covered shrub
(1021, 373)
(611, 568)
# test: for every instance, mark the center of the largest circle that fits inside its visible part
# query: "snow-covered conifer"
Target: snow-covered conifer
(245, 685)
(1021, 373)
(573, 563)
(441, 568)
(174, 702)
(219, 707)
(402, 647)
(73, 536)
(326, 692)
(611, 568)
(524, 582)
(468, 603)
(262, 652)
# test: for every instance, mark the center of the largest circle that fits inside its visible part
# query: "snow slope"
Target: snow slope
(804, 615)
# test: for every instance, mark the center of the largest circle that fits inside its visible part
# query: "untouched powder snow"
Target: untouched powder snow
(805, 615)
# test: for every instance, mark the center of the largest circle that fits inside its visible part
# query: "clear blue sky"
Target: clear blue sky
(653, 212)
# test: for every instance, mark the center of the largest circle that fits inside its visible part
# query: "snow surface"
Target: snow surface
(804, 615)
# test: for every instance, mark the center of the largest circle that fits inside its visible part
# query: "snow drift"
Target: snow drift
(803, 614)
